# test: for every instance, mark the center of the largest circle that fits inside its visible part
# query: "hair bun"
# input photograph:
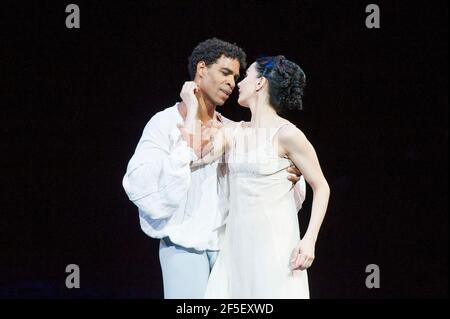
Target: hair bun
(286, 82)
(293, 81)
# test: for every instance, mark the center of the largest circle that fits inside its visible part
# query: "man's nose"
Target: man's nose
(231, 83)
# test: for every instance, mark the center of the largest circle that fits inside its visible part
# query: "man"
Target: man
(186, 208)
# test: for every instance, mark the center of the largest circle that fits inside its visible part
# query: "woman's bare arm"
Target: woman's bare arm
(297, 147)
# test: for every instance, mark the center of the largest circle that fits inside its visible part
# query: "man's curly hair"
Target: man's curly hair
(211, 50)
(286, 82)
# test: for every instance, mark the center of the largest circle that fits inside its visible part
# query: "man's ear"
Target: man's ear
(201, 67)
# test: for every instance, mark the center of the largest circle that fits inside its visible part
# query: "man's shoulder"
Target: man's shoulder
(167, 117)
(163, 121)
(168, 114)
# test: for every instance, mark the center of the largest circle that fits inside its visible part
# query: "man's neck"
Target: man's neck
(206, 111)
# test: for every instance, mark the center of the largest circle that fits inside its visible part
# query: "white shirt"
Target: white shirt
(188, 206)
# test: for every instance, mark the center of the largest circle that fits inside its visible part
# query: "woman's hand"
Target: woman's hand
(189, 94)
(199, 140)
(302, 256)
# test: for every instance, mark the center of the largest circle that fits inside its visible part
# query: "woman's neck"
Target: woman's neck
(263, 115)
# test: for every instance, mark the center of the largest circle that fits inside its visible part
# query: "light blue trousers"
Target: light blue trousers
(185, 271)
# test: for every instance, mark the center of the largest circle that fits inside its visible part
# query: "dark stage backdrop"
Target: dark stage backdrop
(75, 102)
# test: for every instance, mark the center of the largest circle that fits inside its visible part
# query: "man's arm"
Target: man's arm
(158, 176)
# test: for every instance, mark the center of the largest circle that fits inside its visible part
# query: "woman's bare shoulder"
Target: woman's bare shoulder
(291, 134)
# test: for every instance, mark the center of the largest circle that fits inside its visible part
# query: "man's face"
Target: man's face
(218, 80)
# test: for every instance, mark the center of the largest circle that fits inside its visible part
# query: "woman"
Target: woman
(261, 253)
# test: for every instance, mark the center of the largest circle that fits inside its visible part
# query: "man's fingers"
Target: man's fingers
(294, 174)
(294, 170)
(293, 178)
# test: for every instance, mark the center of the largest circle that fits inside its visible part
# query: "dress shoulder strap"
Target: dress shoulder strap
(272, 142)
(274, 131)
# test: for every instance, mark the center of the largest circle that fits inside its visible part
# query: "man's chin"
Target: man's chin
(221, 102)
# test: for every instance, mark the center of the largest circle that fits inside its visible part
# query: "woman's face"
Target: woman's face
(247, 87)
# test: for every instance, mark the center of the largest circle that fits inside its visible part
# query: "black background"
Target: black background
(75, 102)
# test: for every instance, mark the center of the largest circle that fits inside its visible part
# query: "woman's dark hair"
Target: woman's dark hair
(211, 50)
(286, 82)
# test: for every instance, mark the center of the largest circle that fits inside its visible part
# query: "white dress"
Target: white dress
(261, 228)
